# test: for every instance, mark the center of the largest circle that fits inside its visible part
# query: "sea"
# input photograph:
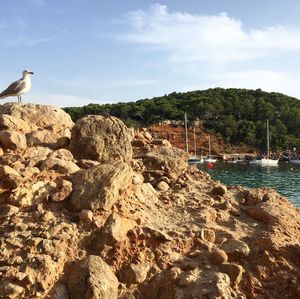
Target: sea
(284, 178)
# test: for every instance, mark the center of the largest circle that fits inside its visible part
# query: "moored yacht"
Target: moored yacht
(266, 161)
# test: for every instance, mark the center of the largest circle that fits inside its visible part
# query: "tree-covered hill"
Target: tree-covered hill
(237, 115)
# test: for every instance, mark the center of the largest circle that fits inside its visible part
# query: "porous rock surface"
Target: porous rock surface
(94, 228)
(101, 138)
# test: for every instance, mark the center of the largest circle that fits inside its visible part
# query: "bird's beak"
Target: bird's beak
(30, 73)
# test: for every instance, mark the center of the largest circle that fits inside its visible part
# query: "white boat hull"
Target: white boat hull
(294, 161)
(195, 160)
(265, 162)
(210, 160)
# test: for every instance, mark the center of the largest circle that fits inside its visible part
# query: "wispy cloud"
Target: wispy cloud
(192, 37)
(26, 42)
(196, 51)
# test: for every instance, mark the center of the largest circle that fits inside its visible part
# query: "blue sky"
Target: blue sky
(107, 51)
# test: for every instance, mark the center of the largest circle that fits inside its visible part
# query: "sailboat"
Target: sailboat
(209, 158)
(195, 159)
(266, 161)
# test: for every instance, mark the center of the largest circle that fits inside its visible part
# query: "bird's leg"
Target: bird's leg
(20, 99)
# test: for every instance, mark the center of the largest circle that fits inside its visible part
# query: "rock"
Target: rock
(59, 291)
(161, 142)
(137, 179)
(47, 216)
(31, 193)
(62, 154)
(12, 140)
(234, 271)
(207, 215)
(36, 154)
(8, 210)
(10, 290)
(101, 138)
(147, 135)
(62, 142)
(171, 160)
(59, 165)
(220, 190)
(9, 178)
(162, 186)
(1, 151)
(114, 230)
(85, 163)
(29, 172)
(259, 214)
(217, 256)
(208, 235)
(152, 233)
(236, 248)
(92, 278)
(41, 137)
(64, 191)
(9, 122)
(139, 142)
(37, 117)
(99, 187)
(86, 216)
(136, 273)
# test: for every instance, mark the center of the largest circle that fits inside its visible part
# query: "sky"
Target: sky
(94, 51)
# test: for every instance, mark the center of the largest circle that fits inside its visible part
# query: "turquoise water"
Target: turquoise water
(285, 178)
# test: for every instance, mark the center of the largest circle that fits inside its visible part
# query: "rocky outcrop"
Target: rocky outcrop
(109, 223)
(32, 124)
(99, 187)
(101, 138)
(92, 278)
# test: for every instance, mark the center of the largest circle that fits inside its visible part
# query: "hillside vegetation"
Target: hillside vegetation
(237, 115)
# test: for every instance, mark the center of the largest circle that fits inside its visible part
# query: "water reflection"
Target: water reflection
(285, 178)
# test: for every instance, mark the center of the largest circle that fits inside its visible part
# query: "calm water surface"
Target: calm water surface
(285, 178)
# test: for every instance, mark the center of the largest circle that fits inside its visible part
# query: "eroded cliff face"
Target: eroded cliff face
(123, 225)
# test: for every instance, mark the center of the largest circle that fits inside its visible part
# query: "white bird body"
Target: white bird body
(18, 87)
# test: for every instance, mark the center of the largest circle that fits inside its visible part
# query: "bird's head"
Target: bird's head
(26, 72)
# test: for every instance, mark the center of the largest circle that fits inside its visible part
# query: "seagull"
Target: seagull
(19, 87)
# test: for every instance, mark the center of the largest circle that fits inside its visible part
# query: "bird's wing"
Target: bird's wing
(13, 89)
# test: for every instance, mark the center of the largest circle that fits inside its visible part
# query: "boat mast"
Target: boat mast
(209, 146)
(186, 134)
(268, 140)
(195, 143)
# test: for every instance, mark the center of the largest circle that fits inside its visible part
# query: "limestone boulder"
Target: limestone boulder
(42, 124)
(234, 271)
(136, 273)
(59, 165)
(36, 154)
(35, 116)
(100, 138)
(217, 256)
(63, 154)
(12, 140)
(13, 123)
(236, 248)
(172, 161)
(115, 230)
(99, 187)
(9, 178)
(92, 278)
